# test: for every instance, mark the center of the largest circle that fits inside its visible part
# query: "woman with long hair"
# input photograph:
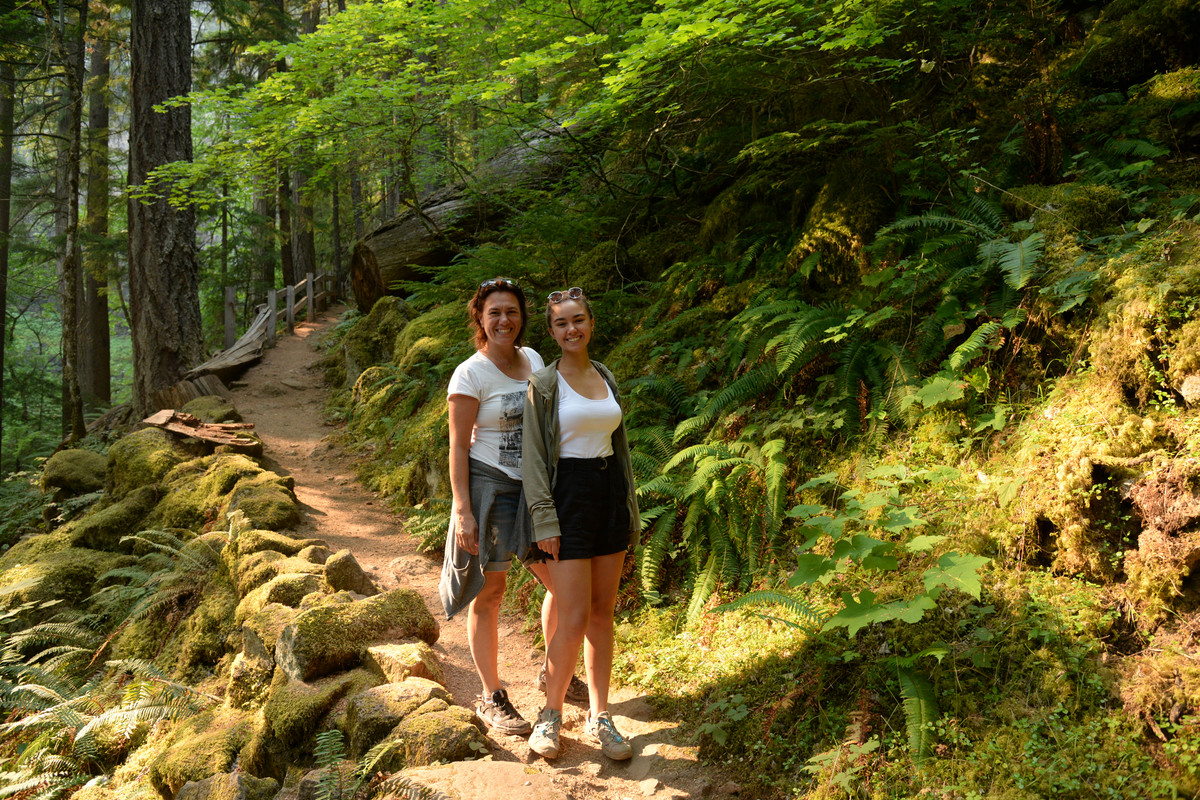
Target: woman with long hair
(489, 523)
(579, 485)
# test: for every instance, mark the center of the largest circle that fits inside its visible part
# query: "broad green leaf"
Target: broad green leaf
(821, 480)
(937, 391)
(957, 571)
(810, 568)
(923, 544)
(896, 520)
(805, 511)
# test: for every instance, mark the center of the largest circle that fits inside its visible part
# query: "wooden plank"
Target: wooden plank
(230, 316)
(228, 434)
(272, 302)
(291, 309)
(309, 291)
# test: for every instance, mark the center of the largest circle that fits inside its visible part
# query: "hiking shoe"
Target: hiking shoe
(499, 714)
(577, 690)
(544, 739)
(612, 743)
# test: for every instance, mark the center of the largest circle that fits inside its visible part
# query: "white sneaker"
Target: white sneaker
(612, 743)
(544, 739)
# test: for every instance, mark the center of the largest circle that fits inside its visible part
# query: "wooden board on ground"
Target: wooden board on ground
(229, 434)
(231, 363)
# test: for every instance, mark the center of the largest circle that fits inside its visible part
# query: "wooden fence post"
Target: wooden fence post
(230, 316)
(272, 301)
(312, 292)
(291, 309)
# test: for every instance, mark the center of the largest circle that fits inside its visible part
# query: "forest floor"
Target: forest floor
(283, 395)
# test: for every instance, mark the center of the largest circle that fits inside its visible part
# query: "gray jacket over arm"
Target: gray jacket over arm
(539, 453)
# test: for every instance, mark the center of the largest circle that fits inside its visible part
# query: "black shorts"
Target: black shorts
(590, 500)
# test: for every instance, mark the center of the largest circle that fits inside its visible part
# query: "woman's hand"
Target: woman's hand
(466, 531)
(550, 546)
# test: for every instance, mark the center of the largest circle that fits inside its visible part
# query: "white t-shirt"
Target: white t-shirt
(586, 426)
(496, 437)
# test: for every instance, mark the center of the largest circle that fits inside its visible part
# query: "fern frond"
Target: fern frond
(810, 617)
(975, 344)
(920, 713)
(404, 788)
(654, 552)
(706, 584)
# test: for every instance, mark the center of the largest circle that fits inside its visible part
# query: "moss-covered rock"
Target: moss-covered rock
(373, 714)
(343, 572)
(294, 708)
(230, 786)
(261, 630)
(396, 662)
(288, 589)
(330, 638)
(103, 528)
(74, 472)
(371, 339)
(199, 747)
(249, 681)
(843, 217)
(46, 569)
(208, 629)
(452, 734)
(268, 501)
(254, 541)
(318, 599)
(259, 568)
(142, 458)
(212, 408)
(315, 553)
(197, 492)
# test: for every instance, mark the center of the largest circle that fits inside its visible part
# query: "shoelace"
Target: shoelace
(549, 726)
(607, 724)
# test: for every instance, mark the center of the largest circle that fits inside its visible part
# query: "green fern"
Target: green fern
(920, 713)
(810, 617)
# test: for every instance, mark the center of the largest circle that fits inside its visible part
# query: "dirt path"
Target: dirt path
(283, 396)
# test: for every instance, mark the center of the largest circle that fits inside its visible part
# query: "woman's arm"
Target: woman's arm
(535, 475)
(463, 410)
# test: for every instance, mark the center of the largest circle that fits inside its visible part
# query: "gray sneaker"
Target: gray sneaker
(500, 714)
(544, 739)
(577, 690)
(612, 743)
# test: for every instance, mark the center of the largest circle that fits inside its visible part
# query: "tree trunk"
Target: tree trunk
(7, 105)
(69, 52)
(95, 377)
(284, 201)
(163, 271)
(303, 241)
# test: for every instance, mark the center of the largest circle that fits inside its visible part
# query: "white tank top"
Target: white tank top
(585, 426)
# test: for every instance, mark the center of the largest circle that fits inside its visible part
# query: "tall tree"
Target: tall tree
(68, 46)
(163, 270)
(7, 106)
(95, 377)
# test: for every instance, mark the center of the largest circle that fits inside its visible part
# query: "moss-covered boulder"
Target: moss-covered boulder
(261, 630)
(73, 472)
(229, 786)
(197, 492)
(264, 567)
(212, 408)
(103, 529)
(249, 681)
(253, 541)
(49, 574)
(1134, 39)
(331, 638)
(287, 589)
(370, 340)
(142, 458)
(240, 568)
(343, 572)
(268, 501)
(373, 714)
(201, 746)
(397, 662)
(208, 629)
(294, 708)
(318, 599)
(439, 735)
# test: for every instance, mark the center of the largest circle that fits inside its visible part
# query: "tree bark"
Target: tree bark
(95, 376)
(163, 271)
(284, 202)
(7, 106)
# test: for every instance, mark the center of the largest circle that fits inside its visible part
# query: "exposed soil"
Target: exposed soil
(283, 396)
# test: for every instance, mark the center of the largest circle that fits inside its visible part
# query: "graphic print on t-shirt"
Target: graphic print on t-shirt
(512, 408)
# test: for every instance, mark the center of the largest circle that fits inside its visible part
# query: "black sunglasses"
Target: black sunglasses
(574, 293)
(502, 282)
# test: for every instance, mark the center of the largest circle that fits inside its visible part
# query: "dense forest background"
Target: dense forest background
(903, 297)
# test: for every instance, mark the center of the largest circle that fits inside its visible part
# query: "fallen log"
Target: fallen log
(229, 364)
(228, 434)
(451, 218)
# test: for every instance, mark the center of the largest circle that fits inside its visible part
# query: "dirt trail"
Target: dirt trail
(283, 396)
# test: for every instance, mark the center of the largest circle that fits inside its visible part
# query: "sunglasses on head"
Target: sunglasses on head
(502, 282)
(574, 293)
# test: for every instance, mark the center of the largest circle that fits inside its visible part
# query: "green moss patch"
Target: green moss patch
(74, 472)
(197, 491)
(254, 541)
(373, 714)
(288, 590)
(207, 630)
(212, 408)
(104, 528)
(140, 459)
(200, 747)
(48, 570)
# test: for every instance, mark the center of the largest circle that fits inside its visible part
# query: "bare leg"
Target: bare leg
(573, 582)
(483, 618)
(598, 649)
(549, 612)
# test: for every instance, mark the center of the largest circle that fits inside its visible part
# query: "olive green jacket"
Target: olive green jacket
(539, 452)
